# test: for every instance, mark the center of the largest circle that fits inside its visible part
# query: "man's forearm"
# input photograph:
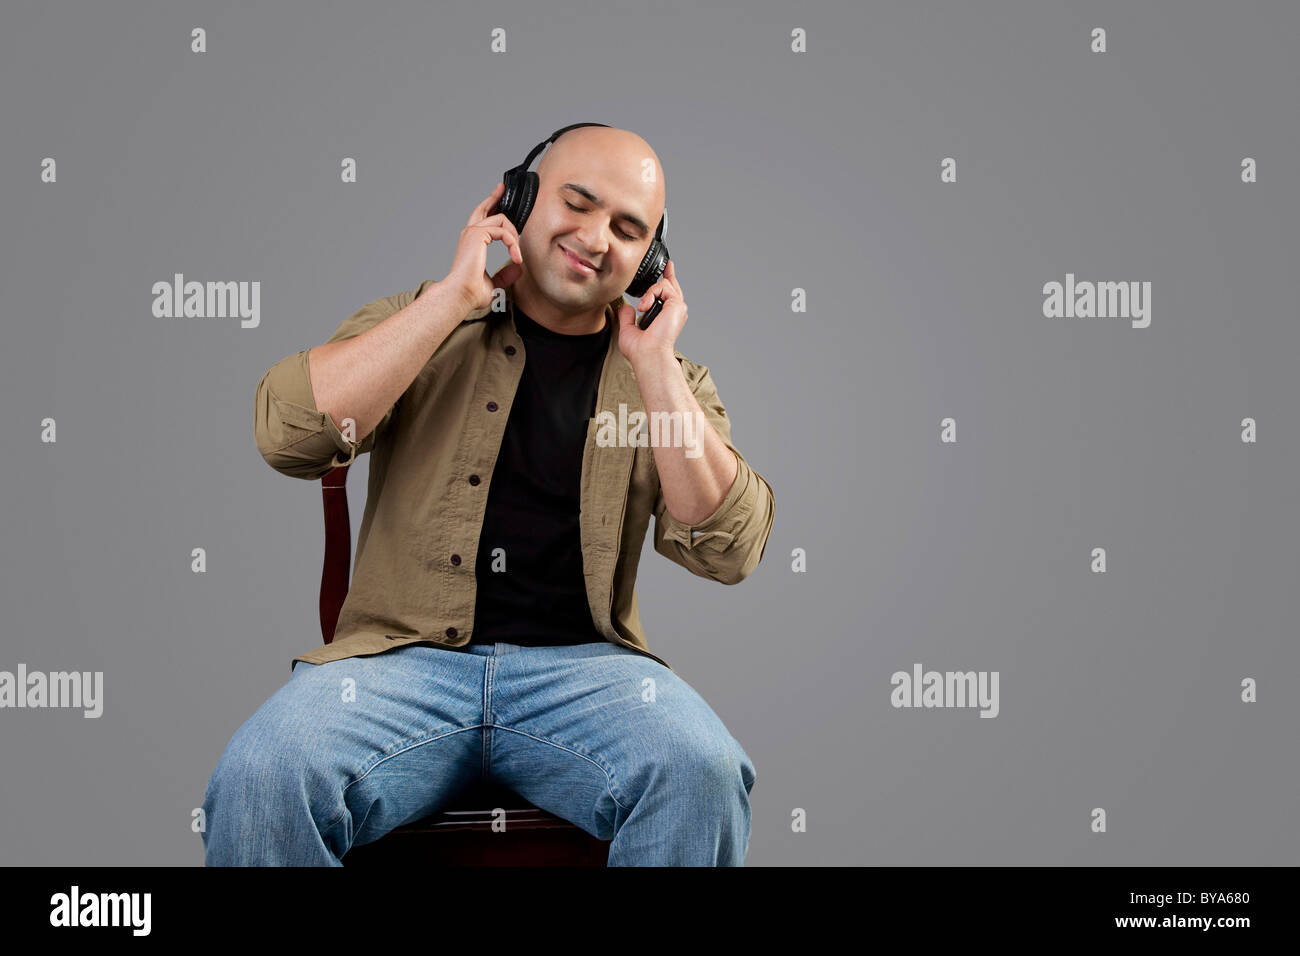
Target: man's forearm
(693, 488)
(361, 377)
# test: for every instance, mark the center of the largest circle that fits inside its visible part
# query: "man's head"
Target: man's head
(600, 195)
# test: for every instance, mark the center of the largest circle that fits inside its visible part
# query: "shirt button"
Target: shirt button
(473, 479)
(510, 350)
(455, 559)
(451, 632)
(492, 406)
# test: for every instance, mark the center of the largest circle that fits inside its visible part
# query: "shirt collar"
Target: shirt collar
(611, 312)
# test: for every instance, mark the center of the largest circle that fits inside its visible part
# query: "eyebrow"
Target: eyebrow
(592, 197)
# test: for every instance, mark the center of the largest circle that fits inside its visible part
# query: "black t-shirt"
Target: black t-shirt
(532, 508)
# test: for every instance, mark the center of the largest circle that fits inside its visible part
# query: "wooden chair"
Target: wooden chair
(461, 833)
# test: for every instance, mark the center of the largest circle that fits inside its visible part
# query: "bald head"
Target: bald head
(620, 156)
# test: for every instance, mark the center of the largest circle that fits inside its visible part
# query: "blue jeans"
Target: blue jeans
(597, 734)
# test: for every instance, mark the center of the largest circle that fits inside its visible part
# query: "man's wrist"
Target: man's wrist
(655, 360)
(454, 297)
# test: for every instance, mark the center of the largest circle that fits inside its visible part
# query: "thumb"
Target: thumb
(626, 316)
(507, 274)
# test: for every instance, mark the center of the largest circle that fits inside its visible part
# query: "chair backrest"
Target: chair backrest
(336, 575)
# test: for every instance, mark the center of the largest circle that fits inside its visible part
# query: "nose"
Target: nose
(594, 243)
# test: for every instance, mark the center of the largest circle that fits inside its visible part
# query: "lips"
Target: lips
(580, 263)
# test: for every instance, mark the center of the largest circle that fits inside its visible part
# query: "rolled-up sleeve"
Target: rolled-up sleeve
(728, 544)
(292, 434)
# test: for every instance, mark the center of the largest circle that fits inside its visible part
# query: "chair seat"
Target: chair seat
(462, 834)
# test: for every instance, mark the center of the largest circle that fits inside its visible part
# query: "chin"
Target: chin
(555, 289)
(558, 288)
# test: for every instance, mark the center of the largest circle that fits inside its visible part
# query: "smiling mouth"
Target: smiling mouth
(581, 265)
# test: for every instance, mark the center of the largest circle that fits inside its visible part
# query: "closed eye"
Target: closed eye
(579, 209)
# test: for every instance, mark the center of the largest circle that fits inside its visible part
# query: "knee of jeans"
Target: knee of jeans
(723, 762)
(748, 773)
(251, 765)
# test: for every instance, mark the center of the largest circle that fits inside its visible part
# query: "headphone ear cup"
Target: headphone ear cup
(651, 270)
(519, 197)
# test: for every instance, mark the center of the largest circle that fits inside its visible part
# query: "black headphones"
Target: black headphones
(521, 193)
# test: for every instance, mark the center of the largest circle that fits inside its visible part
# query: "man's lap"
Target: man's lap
(576, 715)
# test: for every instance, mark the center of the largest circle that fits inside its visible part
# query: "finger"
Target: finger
(506, 233)
(482, 209)
(626, 315)
(516, 251)
(499, 219)
(670, 274)
(660, 290)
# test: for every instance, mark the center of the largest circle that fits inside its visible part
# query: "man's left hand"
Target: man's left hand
(637, 344)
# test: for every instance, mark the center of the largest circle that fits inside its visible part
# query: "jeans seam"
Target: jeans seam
(485, 769)
(418, 743)
(609, 777)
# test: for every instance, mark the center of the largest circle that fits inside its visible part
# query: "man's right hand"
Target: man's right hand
(468, 277)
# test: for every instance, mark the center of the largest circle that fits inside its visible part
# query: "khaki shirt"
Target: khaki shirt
(431, 461)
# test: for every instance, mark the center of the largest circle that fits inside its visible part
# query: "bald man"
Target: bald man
(526, 667)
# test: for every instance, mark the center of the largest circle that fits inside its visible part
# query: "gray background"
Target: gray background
(817, 170)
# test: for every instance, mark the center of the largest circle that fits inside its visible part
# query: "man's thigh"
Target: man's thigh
(585, 730)
(376, 740)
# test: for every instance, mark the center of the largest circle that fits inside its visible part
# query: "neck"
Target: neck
(555, 318)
